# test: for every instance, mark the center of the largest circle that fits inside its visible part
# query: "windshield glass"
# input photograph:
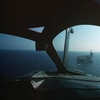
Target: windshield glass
(18, 56)
(83, 46)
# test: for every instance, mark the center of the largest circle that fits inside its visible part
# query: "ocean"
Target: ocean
(19, 62)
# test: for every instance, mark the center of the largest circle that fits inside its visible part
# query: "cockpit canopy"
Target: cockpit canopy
(21, 18)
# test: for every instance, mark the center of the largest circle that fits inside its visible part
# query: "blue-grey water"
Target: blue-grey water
(91, 67)
(18, 62)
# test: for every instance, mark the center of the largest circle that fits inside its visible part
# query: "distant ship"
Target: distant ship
(84, 58)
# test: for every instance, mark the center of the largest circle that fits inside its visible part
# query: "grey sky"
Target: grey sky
(15, 43)
(85, 38)
(18, 43)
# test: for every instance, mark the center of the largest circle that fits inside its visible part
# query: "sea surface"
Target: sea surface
(19, 62)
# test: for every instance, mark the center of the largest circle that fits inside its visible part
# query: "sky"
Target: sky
(17, 43)
(84, 38)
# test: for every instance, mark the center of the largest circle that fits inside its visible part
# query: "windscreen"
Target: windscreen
(82, 50)
(18, 56)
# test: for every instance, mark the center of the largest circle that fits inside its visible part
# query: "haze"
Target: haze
(84, 38)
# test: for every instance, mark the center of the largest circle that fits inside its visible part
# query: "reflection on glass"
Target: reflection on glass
(66, 45)
(37, 29)
(84, 49)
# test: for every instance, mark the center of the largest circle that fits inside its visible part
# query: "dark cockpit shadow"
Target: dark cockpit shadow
(85, 63)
